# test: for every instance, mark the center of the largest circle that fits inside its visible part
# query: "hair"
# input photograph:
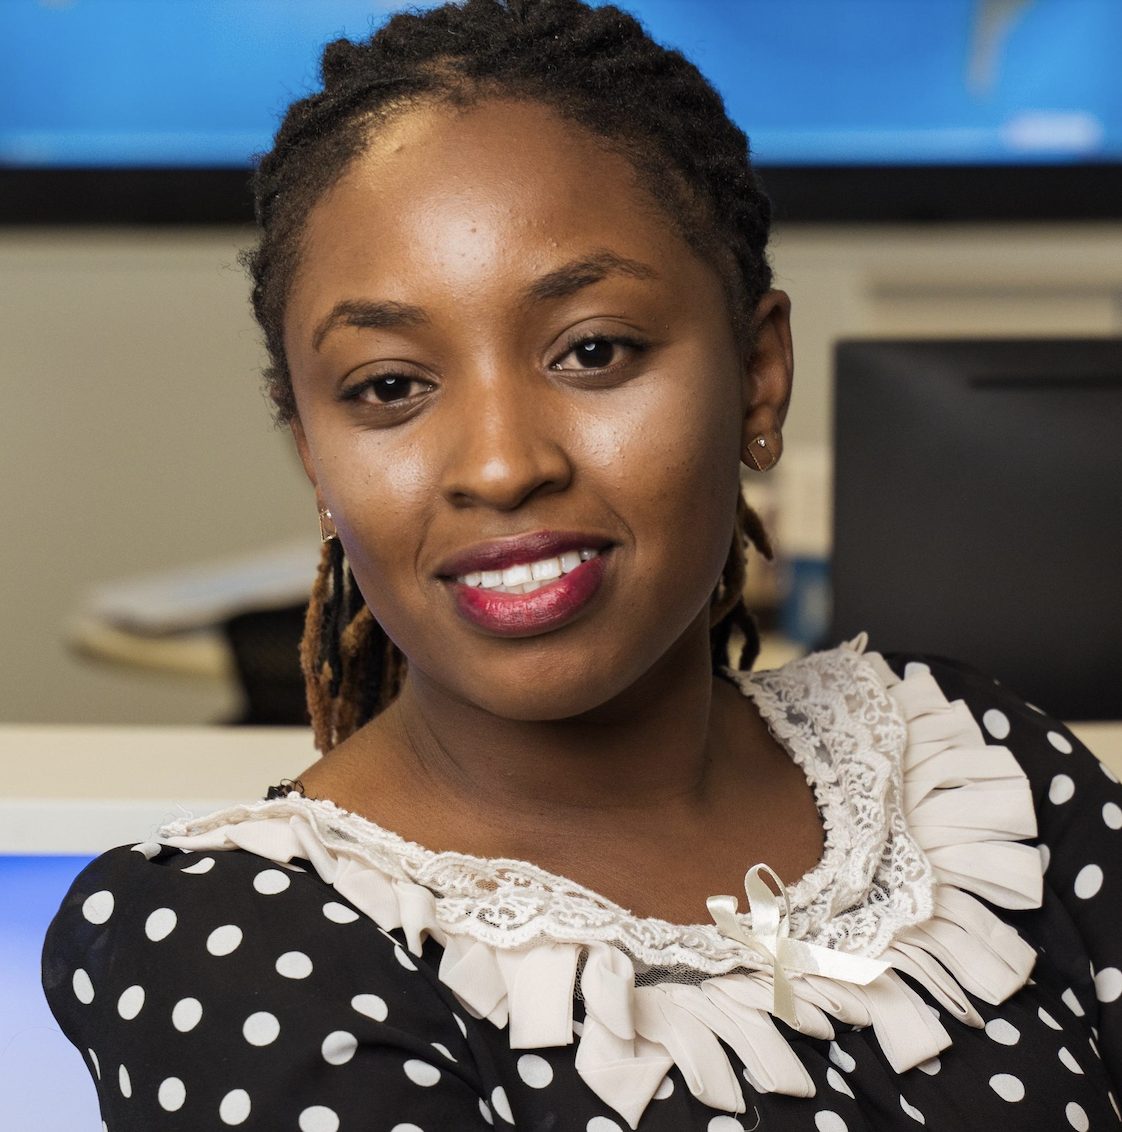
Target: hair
(596, 67)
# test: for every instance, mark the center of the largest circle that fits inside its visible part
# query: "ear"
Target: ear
(768, 373)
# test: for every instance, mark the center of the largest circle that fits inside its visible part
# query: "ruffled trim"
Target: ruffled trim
(967, 805)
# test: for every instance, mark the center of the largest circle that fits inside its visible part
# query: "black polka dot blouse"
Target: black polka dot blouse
(214, 990)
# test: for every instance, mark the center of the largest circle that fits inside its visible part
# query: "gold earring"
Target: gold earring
(326, 525)
(760, 454)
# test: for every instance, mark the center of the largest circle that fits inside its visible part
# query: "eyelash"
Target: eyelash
(632, 344)
(356, 392)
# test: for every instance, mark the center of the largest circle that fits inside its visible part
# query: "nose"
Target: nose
(506, 446)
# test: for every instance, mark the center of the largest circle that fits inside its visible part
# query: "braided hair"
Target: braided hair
(597, 68)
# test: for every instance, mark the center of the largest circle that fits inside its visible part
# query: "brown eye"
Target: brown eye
(387, 389)
(597, 353)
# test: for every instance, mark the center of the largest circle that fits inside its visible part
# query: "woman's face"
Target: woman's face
(504, 359)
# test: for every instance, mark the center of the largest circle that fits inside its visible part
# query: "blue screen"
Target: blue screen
(112, 83)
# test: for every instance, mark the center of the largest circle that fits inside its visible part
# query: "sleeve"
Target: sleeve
(213, 991)
(1078, 803)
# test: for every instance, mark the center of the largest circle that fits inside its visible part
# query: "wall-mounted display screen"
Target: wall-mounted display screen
(817, 84)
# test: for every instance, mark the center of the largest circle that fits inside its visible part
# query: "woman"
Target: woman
(513, 284)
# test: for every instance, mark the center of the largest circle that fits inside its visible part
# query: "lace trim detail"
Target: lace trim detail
(891, 762)
(831, 713)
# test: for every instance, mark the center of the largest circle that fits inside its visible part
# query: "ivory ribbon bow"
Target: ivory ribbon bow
(769, 940)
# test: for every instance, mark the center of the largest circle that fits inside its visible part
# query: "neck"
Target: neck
(650, 747)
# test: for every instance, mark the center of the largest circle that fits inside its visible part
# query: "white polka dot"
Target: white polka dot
(1114, 1105)
(931, 1066)
(98, 907)
(338, 1047)
(724, 1124)
(1007, 1087)
(421, 1073)
(1072, 1003)
(602, 1124)
(124, 1081)
(235, 1107)
(1108, 984)
(200, 867)
(1076, 1117)
(996, 723)
(485, 1112)
(535, 1071)
(261, 1029)
(1060, 742)
(370, 1005)
(160, 924)
(1061, 790)
(83, 988)
(294, 965)
(665, 1089)
(916, 668)
(223, 940)
(1112, 815)
(1045, 857)
(1002, 1032)
(95, 1063)
(460, 1023)
(1068, 1061)
(171, 1094)
(827, 1121)
(841, 1059)
(1048, 1020)
(912, 1111)
(1088, 881)
(130, 1003)
(147, 849)
(185, 1014)
(1094, 1048)
(409, 1127)
(837, 1082)
(501, 1106)
(404, 959)
(442, 1049)
(271, 881)
(318, 1118)
(339, 913)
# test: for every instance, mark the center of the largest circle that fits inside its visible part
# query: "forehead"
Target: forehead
(499, 186)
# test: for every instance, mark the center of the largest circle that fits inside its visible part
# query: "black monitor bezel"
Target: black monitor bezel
(801, 195)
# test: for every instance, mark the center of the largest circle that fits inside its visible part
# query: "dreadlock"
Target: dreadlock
(596, 67)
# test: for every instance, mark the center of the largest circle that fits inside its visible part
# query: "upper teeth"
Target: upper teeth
(528, 576)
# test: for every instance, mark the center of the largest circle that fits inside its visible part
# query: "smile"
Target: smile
(528, 585)
(526, 577)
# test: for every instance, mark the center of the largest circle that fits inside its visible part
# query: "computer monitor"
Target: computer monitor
(978, 510)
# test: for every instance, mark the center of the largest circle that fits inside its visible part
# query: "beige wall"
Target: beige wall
(133, 434)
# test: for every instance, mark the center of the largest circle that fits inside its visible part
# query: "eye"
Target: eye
(595, 353)
(387, 389)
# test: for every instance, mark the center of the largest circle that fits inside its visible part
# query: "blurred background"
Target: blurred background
(940, 168)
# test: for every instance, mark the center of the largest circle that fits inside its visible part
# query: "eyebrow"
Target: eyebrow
(366, 314)
(571, 277)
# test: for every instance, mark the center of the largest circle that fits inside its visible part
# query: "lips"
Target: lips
(552, 577)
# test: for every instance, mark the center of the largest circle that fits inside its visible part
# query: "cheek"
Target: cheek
(378, 488)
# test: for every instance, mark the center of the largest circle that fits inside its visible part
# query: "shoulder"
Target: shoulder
(155, 908)
(223, 974)
(1057, 764)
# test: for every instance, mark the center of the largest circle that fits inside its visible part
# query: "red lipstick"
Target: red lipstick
(553, 602)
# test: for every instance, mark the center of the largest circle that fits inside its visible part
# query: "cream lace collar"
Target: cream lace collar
(921, 817)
